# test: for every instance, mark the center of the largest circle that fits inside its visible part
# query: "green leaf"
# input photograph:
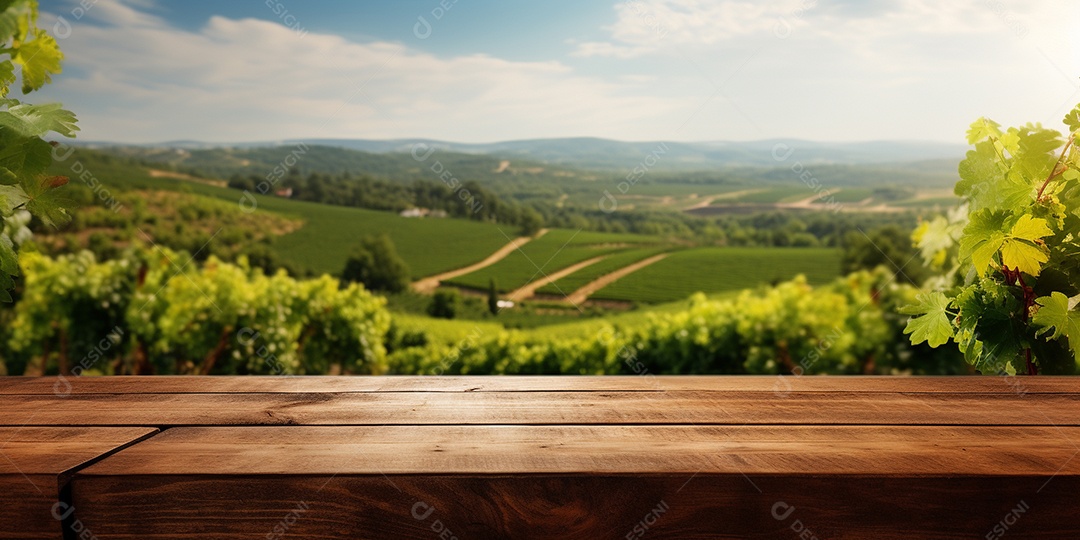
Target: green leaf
(981, 166)
(24, 157)
(7, 76)
(983, 237)
(1037, 153)
(45, 202)
(1023, 250)
(1055, 317)
(931, 322)
(1030, 228)
(983, 255)
(40, 59)
(36, 120)
(11, 13)
(9, 267)
(1072, 119)
(1023, 257)
(983, 129)
(11, 197)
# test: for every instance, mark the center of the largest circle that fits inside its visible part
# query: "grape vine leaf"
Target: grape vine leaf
(7, 76)
(982, 129)
(935, 235)
(1055, 317)
(39, 58)
(979, 167)
(45, 202)
(9, 267)
(1035, 158)
(983, 237)
(1072, 119)
(1022, 250)
(11, 197)
(985, 183)
(12, 12)
(37, 120)
(22, 157)
(930, 319)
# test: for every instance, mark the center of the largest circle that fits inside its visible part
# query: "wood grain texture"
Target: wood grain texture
(35, 464)
(588, 450)
(542, 457)
(546, 408)
(585, 482)
(574, 507)
(628, 383)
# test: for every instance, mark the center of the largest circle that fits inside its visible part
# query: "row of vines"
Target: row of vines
(157, 311)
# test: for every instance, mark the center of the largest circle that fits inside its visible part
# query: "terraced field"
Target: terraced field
(610, 264)
(429, 246)
(713, 270)
(846, 195)
(774, 195)
(555, 250)
(323, 243)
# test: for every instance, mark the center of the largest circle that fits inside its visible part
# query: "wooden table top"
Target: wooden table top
(539, 457)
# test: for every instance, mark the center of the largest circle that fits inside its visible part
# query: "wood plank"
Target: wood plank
(627, 383)
(676, 449)
(585, 482)
(35, 464)
(543, 408)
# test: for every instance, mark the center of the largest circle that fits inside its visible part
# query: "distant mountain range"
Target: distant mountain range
(606, 154)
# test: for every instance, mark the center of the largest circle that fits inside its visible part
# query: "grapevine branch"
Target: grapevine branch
(1057, 170)
(1015, 277)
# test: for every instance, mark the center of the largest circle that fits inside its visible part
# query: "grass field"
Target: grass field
(667, 189)
(322, 244)
(773, 195)
(429, 246)
(846, 195)
(557, 249)
(721, 269)
(933, 201)
(610, 264)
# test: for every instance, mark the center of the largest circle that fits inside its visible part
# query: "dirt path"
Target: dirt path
(811, 201)
(431, 283)
(526, 292)
(158, 173)
(708, 200)
(585, 292)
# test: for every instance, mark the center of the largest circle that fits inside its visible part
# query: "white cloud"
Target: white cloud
(649, 26)
(669, 69)
(235, 78)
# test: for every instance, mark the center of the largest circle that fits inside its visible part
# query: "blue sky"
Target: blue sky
(485, 70)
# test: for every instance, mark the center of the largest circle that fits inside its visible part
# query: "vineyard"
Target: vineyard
(607, 265)
(156, 311)
(327, 234)
(557, 249)
(721, 269)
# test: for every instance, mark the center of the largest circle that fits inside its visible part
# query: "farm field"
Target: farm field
(429, 246)
(322, 244)
(669, 189)
(929, 202)
(586, 275)
(845, 195)
(713, 270)
(557, 249)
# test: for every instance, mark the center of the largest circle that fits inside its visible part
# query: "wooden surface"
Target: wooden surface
(34, 467)
(625, 383)
(541, 408)
(553, 457)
